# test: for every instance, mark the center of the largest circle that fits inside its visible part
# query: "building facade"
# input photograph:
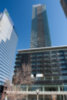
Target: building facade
(8, 42)
(40, 35)
(48, 70)
(64, 6)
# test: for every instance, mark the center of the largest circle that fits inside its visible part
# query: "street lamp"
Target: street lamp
(37, 92)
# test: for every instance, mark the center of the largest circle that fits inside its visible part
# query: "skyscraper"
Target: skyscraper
(64, 6)
(8, 41)
(48, 64)
(40, 35)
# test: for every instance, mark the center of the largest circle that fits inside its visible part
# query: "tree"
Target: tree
(23, 75)
(9, 87)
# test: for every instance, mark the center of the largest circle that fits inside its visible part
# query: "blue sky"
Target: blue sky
(21, 14)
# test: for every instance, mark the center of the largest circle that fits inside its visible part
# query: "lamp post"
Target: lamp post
(37, 92)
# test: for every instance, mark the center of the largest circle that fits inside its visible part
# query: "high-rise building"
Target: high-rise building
(41, 68)
(64, 5)
(40, 35)
(8, 42)
(48, 70)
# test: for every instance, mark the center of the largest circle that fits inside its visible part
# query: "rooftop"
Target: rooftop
(43, 48)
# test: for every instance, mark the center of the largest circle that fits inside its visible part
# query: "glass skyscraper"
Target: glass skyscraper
(8, 42)
(40, 35)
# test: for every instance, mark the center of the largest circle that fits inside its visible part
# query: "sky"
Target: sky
(20, 12)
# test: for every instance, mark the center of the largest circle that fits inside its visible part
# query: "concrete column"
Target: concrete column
(43, 94)
(37, 97)
(63, 97)
(27, 88)
(58, 88)
(66, 97)
(60, 97)
(43, 97)
(26, 97)
(54, 97)
(43, 88)
(6, 98)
